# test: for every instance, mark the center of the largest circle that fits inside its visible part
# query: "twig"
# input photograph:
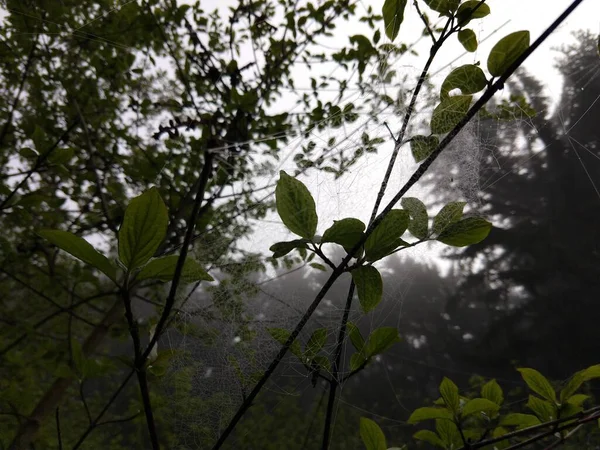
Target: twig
(58, 434)
(140, 370)
(95, 423)
(425, 21)
(170, 302)
(85, 405)
(335, 382)
(581, 415)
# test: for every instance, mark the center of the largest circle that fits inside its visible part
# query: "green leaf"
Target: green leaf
(429, 437)
(466, 232)
(577, 399)
(371, 435)
(577, 380)
(470, 10)
(591, 372)
(569, 409)
(357, 360)
(419, 223)
(61, 155)
(422, 146)
(393, 16)
(493, 392)
(478, 405)
(449, 113)
(538, 383)
(369, 286)
(444, 7)
(143, 229)
(448, 433)
(519, 420)
(315, 343)
(39, 140)
(507, 51)
(345, 232)
(380, 340)
(469, 78)
(542, 408)
(427, 413)
(322, 362)
(283, 248)
(448, 215)
(355, 336)
(29, 153)
(163, 269)
(296, 206)
(468, 39)
(281, 336)
(385, 238)
(80, 249)
(318, 266)
(449, 392)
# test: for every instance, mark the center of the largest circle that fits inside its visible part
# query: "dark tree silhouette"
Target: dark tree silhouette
(535, 301)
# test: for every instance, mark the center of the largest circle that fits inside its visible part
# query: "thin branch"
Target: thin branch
(48, 299)
(58, 434)
(83, 400)
(425, 21)
(170, 302)
(409, 112)
(111, 400)
(335, 382)
(553, 424)
(123, 420)
(140, 369)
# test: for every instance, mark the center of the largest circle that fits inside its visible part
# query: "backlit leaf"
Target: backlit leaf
(393, 16)
(143, 229)
(296, 206)
(466, 232)
(283, 248)
(80, 249)
(422, 146)
(385, 238)
(371, 435)
(449, 113)
(468, 39)
(449, 392)
(346, 232)
(449, 214)
(163, 269)
(469, 78)
(493, 392)
(419, 222)
(507, 51)
(369, 286)
(538, 383)
(427, 413)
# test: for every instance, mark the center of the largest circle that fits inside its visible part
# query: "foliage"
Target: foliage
(84, 160)
(471, 423)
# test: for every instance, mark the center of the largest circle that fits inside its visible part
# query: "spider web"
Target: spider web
(213, 363)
